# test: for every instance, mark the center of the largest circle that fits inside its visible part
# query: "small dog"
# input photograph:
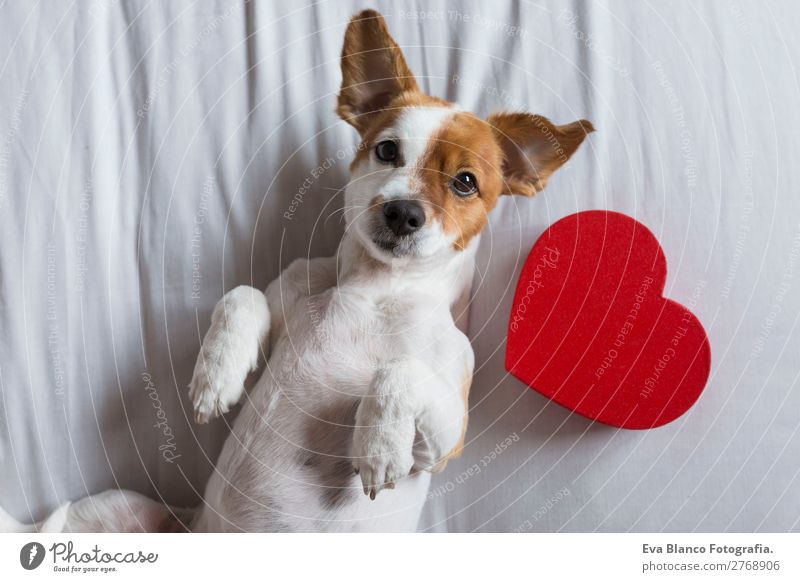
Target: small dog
(367, 376)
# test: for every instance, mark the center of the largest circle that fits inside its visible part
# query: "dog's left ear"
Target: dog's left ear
(373, 70)
(534, 148)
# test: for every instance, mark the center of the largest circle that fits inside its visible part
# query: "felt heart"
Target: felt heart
(590, 329)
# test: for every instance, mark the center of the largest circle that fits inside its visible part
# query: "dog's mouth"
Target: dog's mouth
(396, 246)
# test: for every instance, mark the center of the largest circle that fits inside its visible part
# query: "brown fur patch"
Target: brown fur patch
(376, 201)
(465, 144)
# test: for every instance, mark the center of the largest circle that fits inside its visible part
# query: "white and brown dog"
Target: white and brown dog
(367, 377)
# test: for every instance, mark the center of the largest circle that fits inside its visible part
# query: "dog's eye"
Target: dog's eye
(386, 151)
(464, 184)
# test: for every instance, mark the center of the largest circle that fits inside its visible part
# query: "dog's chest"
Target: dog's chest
(342, 336)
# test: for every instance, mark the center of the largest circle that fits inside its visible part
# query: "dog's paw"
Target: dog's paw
(439, 436)
(217, 385)
(230, 351)
(382, 447)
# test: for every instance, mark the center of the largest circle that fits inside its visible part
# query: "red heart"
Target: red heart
(590, 329)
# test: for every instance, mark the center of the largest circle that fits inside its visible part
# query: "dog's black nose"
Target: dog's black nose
(403, 216)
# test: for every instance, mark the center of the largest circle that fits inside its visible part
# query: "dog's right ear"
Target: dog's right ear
(373, 70)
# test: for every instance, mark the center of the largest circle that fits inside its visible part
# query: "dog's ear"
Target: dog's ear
(534, 148)
(373, 70)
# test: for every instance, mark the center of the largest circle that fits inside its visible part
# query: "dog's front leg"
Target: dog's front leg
(406, 397)
(230, 351)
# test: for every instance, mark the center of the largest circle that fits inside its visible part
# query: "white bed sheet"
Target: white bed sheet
(155, 154)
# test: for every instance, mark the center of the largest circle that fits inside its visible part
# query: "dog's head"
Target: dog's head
(427, 174)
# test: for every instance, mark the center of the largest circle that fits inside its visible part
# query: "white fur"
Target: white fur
(110, 511)
(230, 351)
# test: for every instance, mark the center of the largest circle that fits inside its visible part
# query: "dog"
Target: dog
(366, 376)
